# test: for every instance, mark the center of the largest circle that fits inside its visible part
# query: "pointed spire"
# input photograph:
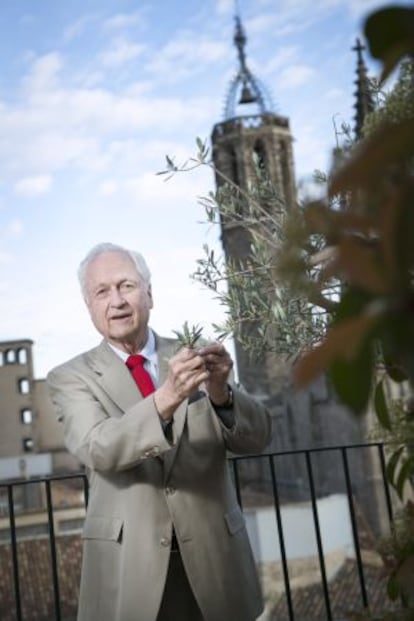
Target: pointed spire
(364, 99)
(244, 87)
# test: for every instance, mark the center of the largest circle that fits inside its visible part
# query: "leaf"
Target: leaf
(373, 156)
(381, 408)
(393, 589)
(170, 163)
(342, 343)
(390, 35)
(352, 379)
(392, 464)
(356, 264)
(188, 336)
(403, 476)
(405, 575)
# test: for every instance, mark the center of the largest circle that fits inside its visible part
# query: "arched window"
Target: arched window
(28, 445)
(24, 386)
(26, 416)
(259, 156)
(10, 356)
(285, 170)
(22, 355)
(233, 165)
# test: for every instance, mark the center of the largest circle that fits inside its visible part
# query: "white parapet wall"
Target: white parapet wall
(28, 466)
(299, 529)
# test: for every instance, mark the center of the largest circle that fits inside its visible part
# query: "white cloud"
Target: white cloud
(13, 229)
(283, 55)
(78, 27)
(33, 186)
(224, 7)
(186, 55)
(295, 75)
(335, 93)
(5, 259)
(151, 189)
(88, 128)
(44, 73)
(120, 52)
(124, 20)
(108, 187)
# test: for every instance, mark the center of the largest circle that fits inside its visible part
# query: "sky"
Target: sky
(95, 93)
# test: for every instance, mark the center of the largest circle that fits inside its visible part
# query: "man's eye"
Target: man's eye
(100, 293)
(127, 286)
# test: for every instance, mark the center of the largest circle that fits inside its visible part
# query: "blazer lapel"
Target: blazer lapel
(114, 376)
(116, 380)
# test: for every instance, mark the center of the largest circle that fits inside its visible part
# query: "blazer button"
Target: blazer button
(165, 542)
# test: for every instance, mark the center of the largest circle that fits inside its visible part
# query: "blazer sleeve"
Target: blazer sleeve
(252, 429)
(101, 441)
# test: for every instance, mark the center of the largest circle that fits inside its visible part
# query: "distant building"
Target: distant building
(29, 427)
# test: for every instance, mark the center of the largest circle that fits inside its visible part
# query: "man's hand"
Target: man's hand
(187, 370)
(218, 364)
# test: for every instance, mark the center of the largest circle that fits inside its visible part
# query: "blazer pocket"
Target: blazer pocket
(109, 529)
(234, 520)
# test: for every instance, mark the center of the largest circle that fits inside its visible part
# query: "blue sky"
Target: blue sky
(94, 93)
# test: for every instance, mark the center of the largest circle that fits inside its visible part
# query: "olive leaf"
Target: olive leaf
(188, 335)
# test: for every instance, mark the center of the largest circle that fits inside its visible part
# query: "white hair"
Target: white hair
(136, 258)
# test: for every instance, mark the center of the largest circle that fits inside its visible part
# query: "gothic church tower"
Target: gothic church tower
(251, 130)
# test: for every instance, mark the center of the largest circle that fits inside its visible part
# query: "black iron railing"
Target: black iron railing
(273, 480)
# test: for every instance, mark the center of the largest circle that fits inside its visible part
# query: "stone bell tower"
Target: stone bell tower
(251, 131)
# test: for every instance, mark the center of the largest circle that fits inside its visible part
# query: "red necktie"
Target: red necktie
(141, 376)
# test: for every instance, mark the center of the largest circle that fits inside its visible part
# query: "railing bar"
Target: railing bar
(39, 479)
(354, 528)
(318, 536)
(237, 482)
(53, 556)
(15, 560)
(85, 490)
(385, 483)
(235, 467)
(281, 539)
(233, 458)
(318, 449)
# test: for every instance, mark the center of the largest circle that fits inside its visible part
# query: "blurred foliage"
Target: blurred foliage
(373, 326)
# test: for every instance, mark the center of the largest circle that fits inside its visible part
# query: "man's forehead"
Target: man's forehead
(111, 263)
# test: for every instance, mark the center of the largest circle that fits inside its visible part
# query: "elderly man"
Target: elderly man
(164, 538)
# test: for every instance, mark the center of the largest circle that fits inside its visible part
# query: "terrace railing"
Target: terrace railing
(318, 489)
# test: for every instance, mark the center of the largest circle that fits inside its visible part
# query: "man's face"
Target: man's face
(118, 300)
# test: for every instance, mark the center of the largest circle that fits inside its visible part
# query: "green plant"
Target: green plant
(263, 312)
(188, 335)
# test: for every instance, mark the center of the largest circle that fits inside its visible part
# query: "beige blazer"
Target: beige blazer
(141, 485)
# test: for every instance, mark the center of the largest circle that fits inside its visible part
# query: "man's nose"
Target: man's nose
(116, 298)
